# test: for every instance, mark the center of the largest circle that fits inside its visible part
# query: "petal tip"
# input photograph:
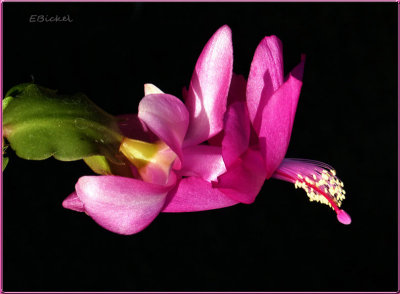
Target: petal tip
(73, 202)
(151, 89)
(225, 28)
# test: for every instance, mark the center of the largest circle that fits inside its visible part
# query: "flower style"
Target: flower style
(214, 151)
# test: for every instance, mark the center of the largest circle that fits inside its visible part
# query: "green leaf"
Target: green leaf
(98, 164)
(6, 101)
(5, 162)
(38, 123)
(101, 165)
(4, 159)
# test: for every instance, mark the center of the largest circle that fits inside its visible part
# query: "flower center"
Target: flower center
(152, 160)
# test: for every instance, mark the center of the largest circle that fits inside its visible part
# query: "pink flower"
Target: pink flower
(175, 172)
(214, 151)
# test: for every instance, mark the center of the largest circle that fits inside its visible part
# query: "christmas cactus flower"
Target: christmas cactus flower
(174, 173)
(214, 150)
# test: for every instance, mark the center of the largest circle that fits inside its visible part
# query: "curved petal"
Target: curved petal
(73, 202)
(203, 161)
(167, 117)
(209, 86)
(151, 89)
(121, 205)
(244, 179)
(265, 77)
(237, 132)
(195, 194)
(277, 122)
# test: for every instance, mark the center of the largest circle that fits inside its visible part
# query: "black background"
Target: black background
(346, 117)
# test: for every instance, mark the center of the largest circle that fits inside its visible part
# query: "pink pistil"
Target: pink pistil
(342, 216)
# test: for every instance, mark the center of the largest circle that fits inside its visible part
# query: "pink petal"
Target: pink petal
(237, 132)
(203, 161)
(195, 194)
(122, 205)
(265, 77)
(151, 89)
(237, 89)
(167, 117)
(73, 202)
(132, 127)
(208, 90)
(244, 179)
(277, 122)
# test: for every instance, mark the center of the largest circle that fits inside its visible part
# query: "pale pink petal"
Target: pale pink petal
(203, 161)
(237, 132)
(122, 205)
(244, 179)
(265, 77)
(151, 89)
(209, 86)
(277, 123)
(167, 117)
(237, 89)
(73, 202)
(132, 127)
(195, 194)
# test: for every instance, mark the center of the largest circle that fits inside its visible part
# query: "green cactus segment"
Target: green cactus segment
(98, 164)
(5, 162)
(38, 123)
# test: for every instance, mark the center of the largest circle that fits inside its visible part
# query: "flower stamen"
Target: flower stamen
(318, 180)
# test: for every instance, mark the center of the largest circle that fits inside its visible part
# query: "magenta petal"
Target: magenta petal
(203, 161)
(167, 117)
(265, 77)
(244, 179)
(195, 194)
(73, 202)
(277, 123)
(121, 205)
(209, 86)
(237, 132)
